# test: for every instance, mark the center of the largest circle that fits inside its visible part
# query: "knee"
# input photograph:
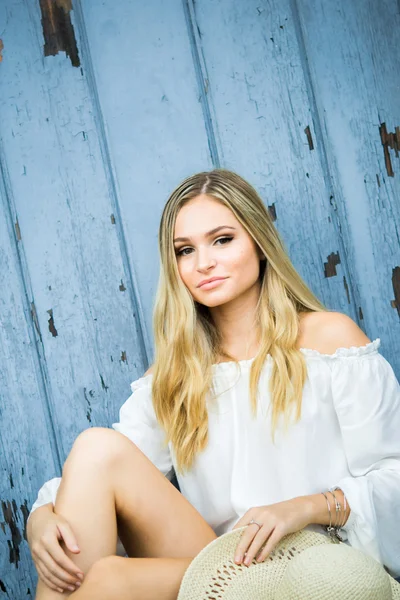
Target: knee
(104, 578)
(98, 446)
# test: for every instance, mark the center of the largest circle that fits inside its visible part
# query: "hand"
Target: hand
(45, 531)
(276, 520)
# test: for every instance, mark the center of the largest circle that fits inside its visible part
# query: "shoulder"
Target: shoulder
(327, 331)
(149, 371)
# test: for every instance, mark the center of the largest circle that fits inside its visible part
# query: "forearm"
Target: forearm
(318, 512)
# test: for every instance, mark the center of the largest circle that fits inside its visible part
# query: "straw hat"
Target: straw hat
(304, 566)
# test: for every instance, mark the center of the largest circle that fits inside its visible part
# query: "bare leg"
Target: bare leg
(108, 480)
(134, 579)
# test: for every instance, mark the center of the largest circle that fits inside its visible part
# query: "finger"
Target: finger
(62, 560)
(259, 539)
(52, 566)
(244, 542)
(245, 520)
(273, 540)
(47, 581)
(68, 537)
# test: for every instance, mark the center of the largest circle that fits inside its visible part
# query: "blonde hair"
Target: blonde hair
(187, 343)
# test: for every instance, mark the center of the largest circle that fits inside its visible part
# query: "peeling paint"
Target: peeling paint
(360, 313)
(123, 356)
(346, 287)
(122, 288)
(389, 140)
(89, 410)
(307, 131)
(272, 211)
(1, 50)
(330, 266)
(396, 288)
(58, 31)
(17, 230)
(103, 385)
(3, 587)
(11, 481)
(378, 180)
(25, 513)
(52, 328)
(35, 319)
(10, 518)
(113, 219)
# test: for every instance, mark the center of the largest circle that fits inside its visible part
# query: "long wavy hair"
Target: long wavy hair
(187, 343)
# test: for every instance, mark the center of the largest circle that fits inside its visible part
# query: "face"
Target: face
(218, 260)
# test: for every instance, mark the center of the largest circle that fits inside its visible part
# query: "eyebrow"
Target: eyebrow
(208, 234)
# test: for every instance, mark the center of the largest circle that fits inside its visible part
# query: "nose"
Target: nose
(205, 260)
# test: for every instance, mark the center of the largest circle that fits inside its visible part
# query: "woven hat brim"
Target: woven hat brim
(213, 571)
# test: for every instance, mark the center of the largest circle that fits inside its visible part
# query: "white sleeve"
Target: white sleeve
(47, 494)
(137, 420)
(366, 396)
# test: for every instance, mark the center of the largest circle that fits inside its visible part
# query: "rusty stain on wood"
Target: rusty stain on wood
(58, 31)
(1, 50)
(17, 230)
(330, 266)
(396, 288)
(52, 328)
(122, 288)
(272, 211)
(123, 356)
(392, 141)
(307, 131)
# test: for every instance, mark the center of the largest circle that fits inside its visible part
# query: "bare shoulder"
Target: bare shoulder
(149, 371)
(327, 331)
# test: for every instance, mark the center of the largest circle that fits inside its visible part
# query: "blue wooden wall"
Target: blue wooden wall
(97, 126)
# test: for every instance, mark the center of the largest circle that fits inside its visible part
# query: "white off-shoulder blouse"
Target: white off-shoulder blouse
(348, 436)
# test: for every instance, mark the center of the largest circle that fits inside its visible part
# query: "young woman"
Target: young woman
(266, 401)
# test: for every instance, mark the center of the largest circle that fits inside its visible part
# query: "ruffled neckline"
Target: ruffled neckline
(353, 351)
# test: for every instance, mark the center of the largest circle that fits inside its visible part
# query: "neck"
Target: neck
(236, 322)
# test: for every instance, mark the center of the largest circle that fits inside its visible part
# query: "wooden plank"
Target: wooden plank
(353, 55)
(153, 116)
(267, 129)
(82, 284)
(28, 441)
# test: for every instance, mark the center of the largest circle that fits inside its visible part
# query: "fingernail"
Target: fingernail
(238, 559)
(60, 590)
(74, 547)
(78, 584)
(71, 588)
(80, 575)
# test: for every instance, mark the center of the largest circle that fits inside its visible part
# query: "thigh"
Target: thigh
(154, 518)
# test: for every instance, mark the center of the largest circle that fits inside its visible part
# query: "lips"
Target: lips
(210, 283)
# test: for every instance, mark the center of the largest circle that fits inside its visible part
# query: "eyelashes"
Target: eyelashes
(223, 241)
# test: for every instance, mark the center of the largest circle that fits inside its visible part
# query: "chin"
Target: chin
(216, 300)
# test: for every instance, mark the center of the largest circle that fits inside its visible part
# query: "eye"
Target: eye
(184, 251)
(224, 240)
